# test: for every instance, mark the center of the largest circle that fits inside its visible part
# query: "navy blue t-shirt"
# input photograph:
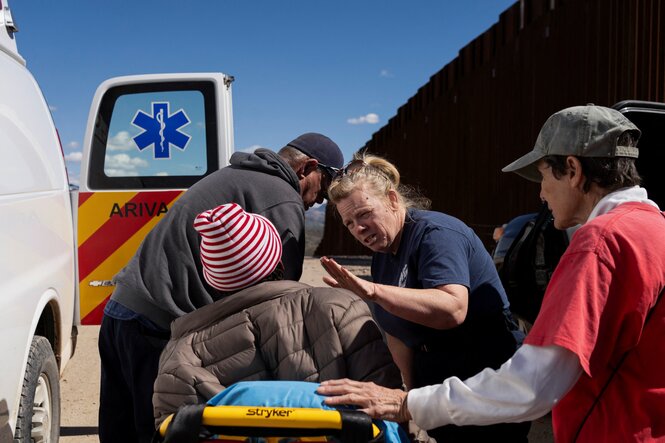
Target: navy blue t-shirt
(437, 249)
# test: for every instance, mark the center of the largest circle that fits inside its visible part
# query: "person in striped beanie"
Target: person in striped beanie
(238, 248)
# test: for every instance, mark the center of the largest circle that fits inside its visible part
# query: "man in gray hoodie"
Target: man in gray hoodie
(164, 279)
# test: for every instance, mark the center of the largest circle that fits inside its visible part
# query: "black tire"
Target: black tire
(39, 412)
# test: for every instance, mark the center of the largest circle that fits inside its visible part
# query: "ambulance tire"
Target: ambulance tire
(39, 412)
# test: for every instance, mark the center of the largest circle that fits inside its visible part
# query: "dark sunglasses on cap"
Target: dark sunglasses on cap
(352, 166)
(334, 173)
(330, 173)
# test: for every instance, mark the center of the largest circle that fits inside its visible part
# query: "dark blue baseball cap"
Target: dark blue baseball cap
(320, 147)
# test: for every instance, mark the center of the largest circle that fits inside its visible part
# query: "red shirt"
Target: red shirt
(595, 306)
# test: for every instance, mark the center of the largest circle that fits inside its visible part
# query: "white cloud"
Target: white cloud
(73, 144)
(162, 174)
(52, 108)
(123, 165)
(250, 149)
(74, 156)
(385, 73)
(122, 141)
(370, 119)
(120, 173)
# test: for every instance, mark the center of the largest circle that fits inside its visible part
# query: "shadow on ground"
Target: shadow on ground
(68, 431)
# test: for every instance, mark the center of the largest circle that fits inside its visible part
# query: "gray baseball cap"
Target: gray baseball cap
(582, 131)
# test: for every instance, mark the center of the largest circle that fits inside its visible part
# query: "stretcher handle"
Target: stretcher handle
(284, 422)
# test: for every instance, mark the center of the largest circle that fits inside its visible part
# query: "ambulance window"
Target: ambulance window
(154, 136)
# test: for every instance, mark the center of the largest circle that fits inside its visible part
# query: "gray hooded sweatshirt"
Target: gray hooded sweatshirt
(164, 279)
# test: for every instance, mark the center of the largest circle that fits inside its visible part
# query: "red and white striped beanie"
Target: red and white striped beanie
(238, 248)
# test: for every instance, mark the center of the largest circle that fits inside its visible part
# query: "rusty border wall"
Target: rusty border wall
(485, 108)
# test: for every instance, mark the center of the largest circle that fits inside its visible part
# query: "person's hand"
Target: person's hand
(374, 400)
(340, 277)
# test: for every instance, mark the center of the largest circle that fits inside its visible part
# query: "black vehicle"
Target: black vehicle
(510, 232)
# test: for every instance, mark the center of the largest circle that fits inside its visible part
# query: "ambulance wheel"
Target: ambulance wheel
(39, 411)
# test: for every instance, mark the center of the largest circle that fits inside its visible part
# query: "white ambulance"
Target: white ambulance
(148, 138)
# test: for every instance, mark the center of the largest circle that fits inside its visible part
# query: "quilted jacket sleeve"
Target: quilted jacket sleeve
(181, 381)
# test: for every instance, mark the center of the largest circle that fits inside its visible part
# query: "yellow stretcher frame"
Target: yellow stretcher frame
(262, 417)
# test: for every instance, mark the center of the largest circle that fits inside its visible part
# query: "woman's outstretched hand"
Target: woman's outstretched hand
(340, 277)
(374, 400)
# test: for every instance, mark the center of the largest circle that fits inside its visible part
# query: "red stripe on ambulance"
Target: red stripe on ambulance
(124, 221)
(94, 317)
(83, 196)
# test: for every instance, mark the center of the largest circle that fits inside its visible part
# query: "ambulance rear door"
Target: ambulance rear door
(148, 139)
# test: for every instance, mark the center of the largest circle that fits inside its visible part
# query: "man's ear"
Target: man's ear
(574, 171)
(307, 167)
(300, 172)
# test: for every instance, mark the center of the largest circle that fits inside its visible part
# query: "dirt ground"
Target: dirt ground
(80, 381)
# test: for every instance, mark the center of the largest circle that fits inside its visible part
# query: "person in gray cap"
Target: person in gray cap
(595, 353)
(164, 280)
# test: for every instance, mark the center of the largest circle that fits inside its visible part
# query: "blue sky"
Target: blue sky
(341, 67)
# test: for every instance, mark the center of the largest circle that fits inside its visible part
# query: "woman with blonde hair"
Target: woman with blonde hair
(435, 290)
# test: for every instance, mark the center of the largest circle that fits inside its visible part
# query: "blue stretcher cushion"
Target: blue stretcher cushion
(296, 394)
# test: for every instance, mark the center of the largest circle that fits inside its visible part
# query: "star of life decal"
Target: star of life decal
(161, 129)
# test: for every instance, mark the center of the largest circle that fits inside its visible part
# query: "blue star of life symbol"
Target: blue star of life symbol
(161, 129)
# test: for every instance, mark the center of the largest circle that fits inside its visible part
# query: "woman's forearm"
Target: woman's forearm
(443, 307)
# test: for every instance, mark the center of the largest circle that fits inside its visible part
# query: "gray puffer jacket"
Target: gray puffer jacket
(280, 330)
